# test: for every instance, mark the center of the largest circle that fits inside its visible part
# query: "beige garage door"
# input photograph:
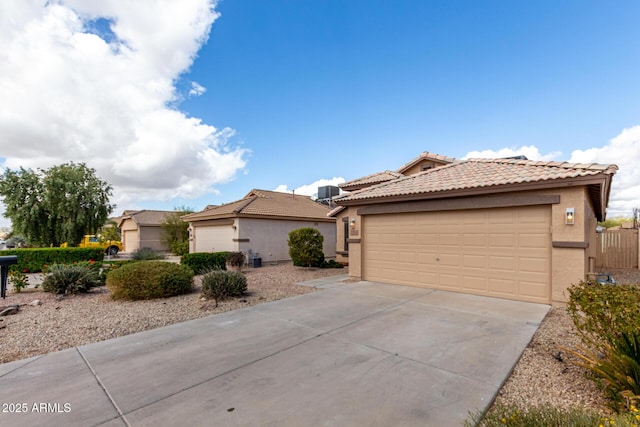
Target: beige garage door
(501, 252)
(130, 240)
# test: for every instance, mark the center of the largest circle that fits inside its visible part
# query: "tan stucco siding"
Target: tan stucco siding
(268, 237)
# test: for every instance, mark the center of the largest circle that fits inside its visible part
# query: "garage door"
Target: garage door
(213, 238)
(130, 240)
(504, 252)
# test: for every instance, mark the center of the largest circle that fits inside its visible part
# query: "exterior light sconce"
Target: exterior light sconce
(352, 223)
(570, 217)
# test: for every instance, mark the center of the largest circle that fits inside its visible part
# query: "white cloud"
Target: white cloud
(624, 151)
(530, 151)
(93, 81)
(196, 89)
(311, 189)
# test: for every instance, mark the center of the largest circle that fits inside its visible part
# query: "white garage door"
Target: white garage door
(504, 252)
(216, 238)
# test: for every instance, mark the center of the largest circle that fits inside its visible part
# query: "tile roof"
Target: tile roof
(264, 203)
(478, 174)
(426, 156)
(369, 180)
(146, 216)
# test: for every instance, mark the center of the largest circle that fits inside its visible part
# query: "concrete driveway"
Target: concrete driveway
(352, 354)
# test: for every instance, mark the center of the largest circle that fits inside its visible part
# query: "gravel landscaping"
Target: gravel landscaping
(544, 374)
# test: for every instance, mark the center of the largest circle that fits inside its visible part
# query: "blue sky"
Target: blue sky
(301, 91)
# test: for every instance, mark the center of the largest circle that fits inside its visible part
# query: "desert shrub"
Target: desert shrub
(607, 318)
(332, 263)
(546, 415)
(601, 313)
(236, 259)
(221, 284)
(19, 280)
(71, 278)
(201, 262)
(179, 248)
(34, 260)
(305, 247)
(149, 279)
(146, 254)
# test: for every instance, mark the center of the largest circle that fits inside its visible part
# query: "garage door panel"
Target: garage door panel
(474, 283)
(497, 252)
(474, 261)
(502, 241)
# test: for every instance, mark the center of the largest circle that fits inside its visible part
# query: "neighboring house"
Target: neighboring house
(142, 229)
(508, 228)
(259, 224)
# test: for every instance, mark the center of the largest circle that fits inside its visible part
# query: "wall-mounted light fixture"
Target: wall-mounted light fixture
(570, 217)
(352, 222)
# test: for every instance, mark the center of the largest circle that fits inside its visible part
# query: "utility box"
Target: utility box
(255, 262)
(5, 262)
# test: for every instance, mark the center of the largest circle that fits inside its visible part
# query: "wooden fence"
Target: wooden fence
(617, 249)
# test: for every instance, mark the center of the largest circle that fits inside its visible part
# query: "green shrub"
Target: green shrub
(19, 280)
(601, 313)
(71, 278)
(236, 259)
(180, 248)
(305, 247)
(547, 416)
(149, 279)
(220, 285)
(34, 260)
(146, 254)
(608, 321)
(201, 262)
(332, 263)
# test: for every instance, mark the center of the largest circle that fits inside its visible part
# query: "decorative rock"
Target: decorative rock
(35, 302)
(8, 310)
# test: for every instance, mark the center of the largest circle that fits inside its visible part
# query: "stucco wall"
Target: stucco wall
(268, 237)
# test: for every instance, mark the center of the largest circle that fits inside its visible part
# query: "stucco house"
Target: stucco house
(508, 228)
(259, 223)
(142, 229)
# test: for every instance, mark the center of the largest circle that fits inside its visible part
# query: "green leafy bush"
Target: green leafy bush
(608, 321)
(221, 284)
(19, 280)
(146, 254)
(71, 278)
(34, 260)
(180, 248)
(236, 259)
(201, 262)
(149, 279)
(305, 247)
(601, 313)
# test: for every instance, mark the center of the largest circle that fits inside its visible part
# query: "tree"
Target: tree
(175, 232)
(60, 204)
(305, 247)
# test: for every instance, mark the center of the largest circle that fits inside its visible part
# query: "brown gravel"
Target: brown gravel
(544, 374)
(75, 320)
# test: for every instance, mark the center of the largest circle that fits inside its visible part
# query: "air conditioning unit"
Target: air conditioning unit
(328, 192)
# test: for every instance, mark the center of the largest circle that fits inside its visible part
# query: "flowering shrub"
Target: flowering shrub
(19, 280)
